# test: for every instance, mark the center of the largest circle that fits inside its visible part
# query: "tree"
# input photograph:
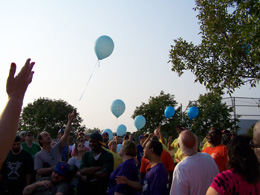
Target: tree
(153, 112)
(49, 115)
(212, 112)
(229, 53)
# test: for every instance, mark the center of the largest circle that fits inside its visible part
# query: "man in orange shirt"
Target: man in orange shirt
(217, 150)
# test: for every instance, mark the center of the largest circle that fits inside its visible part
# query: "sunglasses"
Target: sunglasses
(80, 145)
(253, 145)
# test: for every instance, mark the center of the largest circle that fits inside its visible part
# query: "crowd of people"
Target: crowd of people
(225, 164)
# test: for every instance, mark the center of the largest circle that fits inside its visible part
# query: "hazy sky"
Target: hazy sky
(60, 36)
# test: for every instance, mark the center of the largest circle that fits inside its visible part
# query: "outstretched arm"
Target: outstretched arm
(66, 134)
(16, 87)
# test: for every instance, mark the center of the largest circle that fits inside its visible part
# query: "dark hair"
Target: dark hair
(17, 138)
(243, 159)
(157, 147)
(225, 139)
(130, 148)
(217, 130)
(39, 138)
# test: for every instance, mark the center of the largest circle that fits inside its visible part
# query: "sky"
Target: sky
(59, 36)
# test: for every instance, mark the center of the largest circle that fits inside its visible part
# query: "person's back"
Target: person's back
(194, 173)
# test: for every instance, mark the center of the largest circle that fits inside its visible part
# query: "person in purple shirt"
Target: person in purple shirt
(156, 180)
(128, 168)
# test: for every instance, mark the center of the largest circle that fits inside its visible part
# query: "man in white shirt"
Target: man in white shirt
(195, 173)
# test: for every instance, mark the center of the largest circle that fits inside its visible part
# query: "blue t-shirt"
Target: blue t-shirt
(140, 153)
(156, 181)
(129, 170)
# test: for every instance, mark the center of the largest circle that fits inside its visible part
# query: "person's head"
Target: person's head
(96, 142)
(22, 136)
(112, 145)
(29, 136)
(128, 149)
(125, 137)
(60, 134)
(59, 173)
(232, 134)
(70, 140)
(80, 147)
(44, 138)
(256, 140)
(242, 159)
(153, 148)
(214, 136)
(225, 139)
(16, 147)
(118, 140)
(105, 137)
(141, 139)
(80, 139)
(188, 143)
(87, 136)
(81, 134)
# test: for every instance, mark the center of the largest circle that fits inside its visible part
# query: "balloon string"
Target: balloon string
(97, 63)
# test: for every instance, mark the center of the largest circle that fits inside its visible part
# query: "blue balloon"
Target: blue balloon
(110, 133)
(139, 122)
(169, 112)
(121, 130)
(119, 146)
(193, 112)
(118, 107)
(104, 47)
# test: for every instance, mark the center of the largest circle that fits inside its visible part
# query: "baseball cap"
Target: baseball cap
(81, 133)
(98, 137)
(27, 132)
(140, 137)
(22, 133)
(62, 168)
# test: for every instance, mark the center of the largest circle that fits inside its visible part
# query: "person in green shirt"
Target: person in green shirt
(29, 145)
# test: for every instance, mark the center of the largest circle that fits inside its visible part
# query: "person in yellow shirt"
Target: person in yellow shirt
(112, 145)
(178, 156)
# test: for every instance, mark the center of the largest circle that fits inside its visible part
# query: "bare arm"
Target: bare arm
(161, 136)
(16, 87)
(145, 142)
(67, 130)
(169, 143)
(31, 188)
(212, 191)
(134, 184)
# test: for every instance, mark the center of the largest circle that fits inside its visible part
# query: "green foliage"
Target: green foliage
(250, 131)
(229, 53)
(153, 112)
(49, 115)
(212, 112)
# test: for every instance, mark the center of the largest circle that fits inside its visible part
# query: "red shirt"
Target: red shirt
(166, 160)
